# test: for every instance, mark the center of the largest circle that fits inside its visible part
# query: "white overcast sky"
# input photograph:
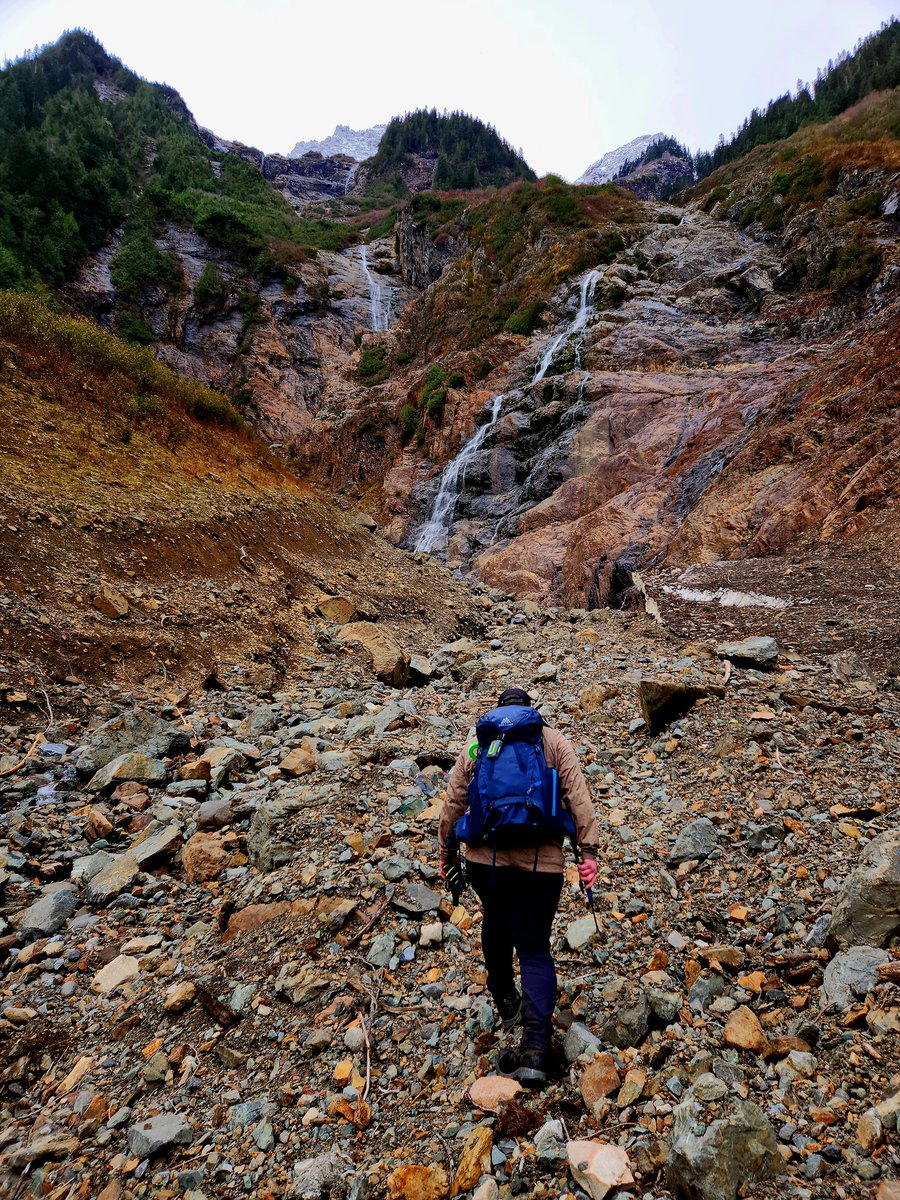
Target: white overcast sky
(564, 79)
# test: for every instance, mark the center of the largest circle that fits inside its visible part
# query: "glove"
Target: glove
(587, 872)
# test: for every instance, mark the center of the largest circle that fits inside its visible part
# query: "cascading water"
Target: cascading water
(437, 527)
(351, 175)
(379, 295)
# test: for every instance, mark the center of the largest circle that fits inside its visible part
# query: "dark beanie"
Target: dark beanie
(514, 695)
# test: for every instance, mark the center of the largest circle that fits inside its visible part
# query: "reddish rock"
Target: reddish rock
(253, 917)
(744, 1032)
(600, 1079)
(204, 857)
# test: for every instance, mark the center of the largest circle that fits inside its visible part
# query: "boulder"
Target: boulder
(759, 652)
(112, 881)
(739, 1149)
(580, 933)
(136, 729)
(627, 1026)
(48, 913)
(339, 609)
(204, 857)
(578, 1040)
(157, 841)
(110, 602)
(131, 766)
(116, 972)
(147, 1138)
(389, 662)
(744, 1032)
(851, 975)
(867, 908)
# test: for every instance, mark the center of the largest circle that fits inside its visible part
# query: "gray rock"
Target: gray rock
(580, 933)
(133, 767)
(627, 1026)
(739, 1149)
(112, 881)
(214, 814)
(168, 1129)
(260, 721)
(753, 651)
(851, 975)
(85, 868)
(381, 951)
(360, 727)
(269, 843)
(241, 1115)
(416, 898)
(867, 908)
(395, 867)
(49, 912)
(160, 842)
(136, 729)
(388, 715)
(578, 1039)
(697, 840)
(315, 1178)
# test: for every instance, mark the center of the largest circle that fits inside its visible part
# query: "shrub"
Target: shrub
(409, 419)
(371, 363)
(457, 379)
(434, 392)
(850, 268)
(211, 292)
(482, 368)
(868, 205)
(403, 357)
(526, 320)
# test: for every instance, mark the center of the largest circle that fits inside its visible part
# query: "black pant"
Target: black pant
(519, 907)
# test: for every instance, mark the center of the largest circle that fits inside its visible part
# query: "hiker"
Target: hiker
(514, 860)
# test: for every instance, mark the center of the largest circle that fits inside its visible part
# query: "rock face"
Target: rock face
(355, 143)
(421, 259)
(867, 909)
(734, 1150)
(610, 164)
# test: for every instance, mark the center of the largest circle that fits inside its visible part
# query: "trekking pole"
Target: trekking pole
(588, 891)
(453, 872)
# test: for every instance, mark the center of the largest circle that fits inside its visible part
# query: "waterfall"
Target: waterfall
(437, 527)
(379, 295)
(351, 175)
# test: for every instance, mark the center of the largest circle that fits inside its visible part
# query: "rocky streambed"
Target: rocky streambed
(229, 968)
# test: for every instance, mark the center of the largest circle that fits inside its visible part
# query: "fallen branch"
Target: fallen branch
(22, 761)
(376, 916)
(362, 1022)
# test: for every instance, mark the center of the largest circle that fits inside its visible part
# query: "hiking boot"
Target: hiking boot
(509, 1060)
(533, 1068)
(510, 1010)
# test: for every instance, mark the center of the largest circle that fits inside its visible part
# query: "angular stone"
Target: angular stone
(156, 842)
(416, 898)
(133, 766)
(339, 609)
(136, 729)
(599, 1167)
(744, 1032)
(867, 908)
(85, 868)
(600, 1079)
(415, 1182)
(147, 1138)
(254, 916)
(389, 662)
(110, 602)
(114, 974)
(475, 1159)
(632, 1088)
(112, 881)
(51, 1145)
(179, 997)
(220, 759)
(739, 1149)
(381, 950)
(204, 857)
(627, 1025)
(214, 814)
(48, 913)
(752, 652)
(490, 1091)
(580, 933)
(851, 975)
(299, 761)
(696, 840)
(578, 1039)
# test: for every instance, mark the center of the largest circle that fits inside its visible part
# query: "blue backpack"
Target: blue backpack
(513, 795)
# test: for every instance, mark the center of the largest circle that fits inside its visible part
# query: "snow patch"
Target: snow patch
(728, 597)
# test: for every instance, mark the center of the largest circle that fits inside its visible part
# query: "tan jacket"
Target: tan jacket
(559, 754)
